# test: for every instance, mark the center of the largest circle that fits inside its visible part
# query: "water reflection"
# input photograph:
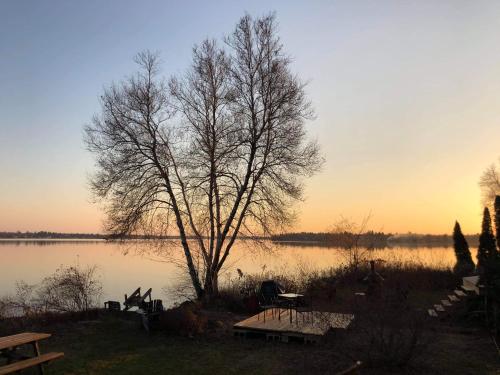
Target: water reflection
(125, 266)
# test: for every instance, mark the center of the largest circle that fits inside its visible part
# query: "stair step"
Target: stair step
(445, 302)
(432, 313)
(439, 308)
(459, 293)
(453, 298)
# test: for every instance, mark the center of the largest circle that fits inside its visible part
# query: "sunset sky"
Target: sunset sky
(407, 98)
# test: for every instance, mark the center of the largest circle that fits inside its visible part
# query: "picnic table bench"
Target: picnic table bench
(17, 362)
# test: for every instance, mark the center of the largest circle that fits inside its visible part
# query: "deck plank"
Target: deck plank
(303, 323)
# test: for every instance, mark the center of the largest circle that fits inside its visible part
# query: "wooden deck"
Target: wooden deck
(309, 326)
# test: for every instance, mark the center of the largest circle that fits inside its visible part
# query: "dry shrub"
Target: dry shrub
(3, 309)
(185, 320)
(412, 276)
(23, 302)
(240, 294)
(235, 301)
(418, 276)
(69, 289)
(237, 293)
(392, 332)
(321, 285)
(355, 239)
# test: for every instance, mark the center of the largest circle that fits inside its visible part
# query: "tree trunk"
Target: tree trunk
(215, 284)
(211, 288)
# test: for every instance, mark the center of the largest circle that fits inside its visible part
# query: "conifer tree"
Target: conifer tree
(465, 265)
(487, 253)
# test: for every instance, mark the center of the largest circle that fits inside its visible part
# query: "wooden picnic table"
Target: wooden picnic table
(17, 362)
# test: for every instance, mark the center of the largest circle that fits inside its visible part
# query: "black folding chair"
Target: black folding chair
(268, 297)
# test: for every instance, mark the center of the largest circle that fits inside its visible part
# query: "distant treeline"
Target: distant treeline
(50, 235)
(373, 239)
(67, 236)
(368, 239)
(87, 236)
(429, 240)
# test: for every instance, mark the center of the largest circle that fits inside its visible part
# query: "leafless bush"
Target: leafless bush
(22, 302)
(350, 235)
(69, 289)
(180, 289)
(392, 333)
(398, 274)
(247, 283)
(185, 320)
(4, 308)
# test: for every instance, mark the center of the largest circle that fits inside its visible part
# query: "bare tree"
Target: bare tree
(350, 236)
(72, 288)
(212, 155)
(490, 184)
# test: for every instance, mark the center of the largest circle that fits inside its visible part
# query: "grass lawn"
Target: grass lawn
(118, 346)
(114, 346)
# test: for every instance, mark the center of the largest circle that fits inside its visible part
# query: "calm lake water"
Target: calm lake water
(124, 267)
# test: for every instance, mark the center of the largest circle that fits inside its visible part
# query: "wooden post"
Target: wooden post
(36, 349)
